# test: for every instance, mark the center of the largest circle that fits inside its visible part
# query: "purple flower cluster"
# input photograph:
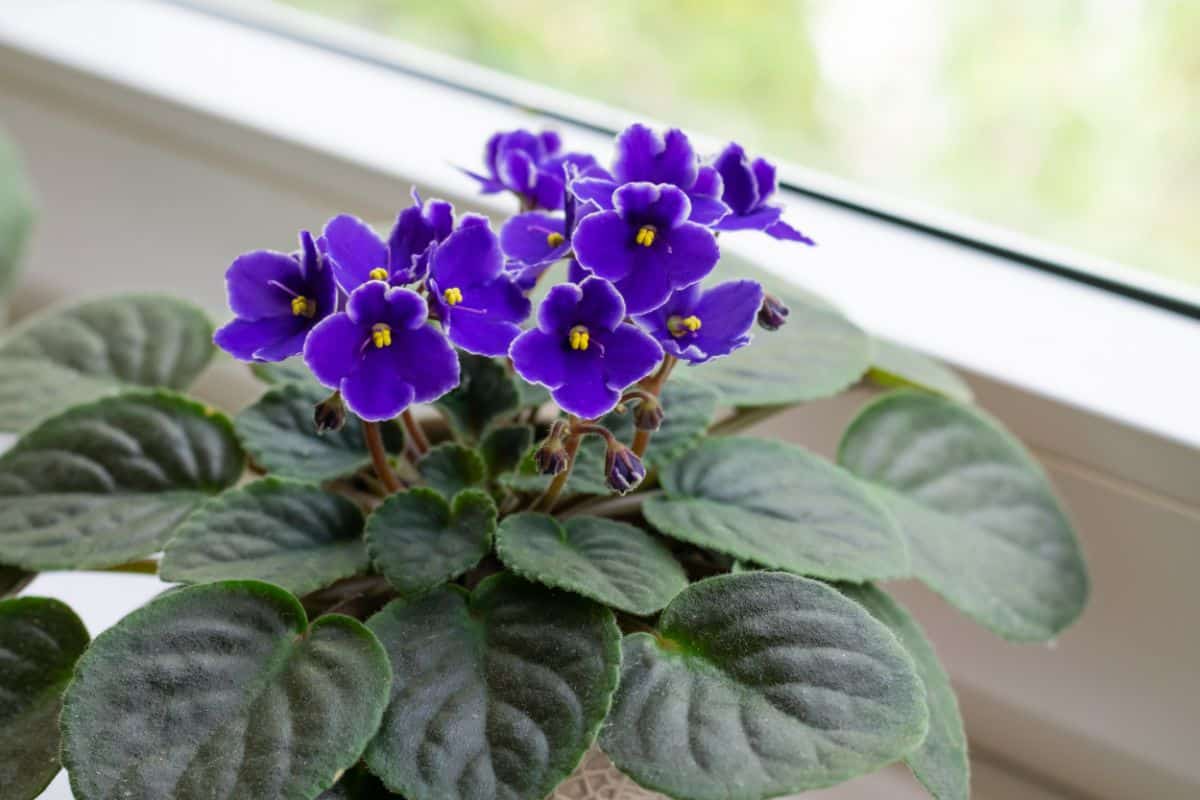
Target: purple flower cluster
(378, 319)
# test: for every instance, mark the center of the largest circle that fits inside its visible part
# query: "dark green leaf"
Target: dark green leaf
(485, 393)
(532, 394)
(983, 526)
(940, 763)
(449, 468)
(80, 353)
(503, 448)
(291, 370)
(419, 541)
(818, 353)
(16, 215)
(292, 534)
(762, 684)
(13, 580)
(40, 640)
(107, 482)
(614, 563)
(496, 695)
(279, 434)
(896, 365)
(780, 506)
(689, 407)
(222, 690)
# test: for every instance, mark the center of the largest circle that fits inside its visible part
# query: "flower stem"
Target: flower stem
(415, 433)
(379, 457)
(546, 501)
(144, 566)
(652, 385)
(610, 506)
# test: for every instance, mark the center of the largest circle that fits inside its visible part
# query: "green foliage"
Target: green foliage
(486, 393)
(297, 536)
(279, 435)
(780, 506)
(222, 690)
(290, 370)
(107, 482)
(16, 216)
(449, 468)
(418, 540)
(40, 640)
(983, 527)
(761, 684)
(503, 448)
(513, 676)
(67, 356)
(611, 562)
(898, 366)
(940, 763)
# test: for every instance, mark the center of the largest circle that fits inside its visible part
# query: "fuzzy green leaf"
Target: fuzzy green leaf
(983, 526)
(898, 366)
(496, 695)
(485, 393)
(290, 370)
(503, 448)
(279, 434)
(940, 763)
(292, 534)
(780, 506)
(107, 482)
(72, 355)
(16, 215)
(761, 684)
(818, 353)
(419, 541)
(611, 562)
(449, 468)
(40, 640)
(222, 690)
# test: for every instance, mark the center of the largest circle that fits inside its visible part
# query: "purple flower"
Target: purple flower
(533, 241)
(748, 186)
(529, 165)
(478, 303)
(359, 255)
(644, 156)
(696, 325)
(646, 245)
(582, 350)
(381, 354)
(276, 298)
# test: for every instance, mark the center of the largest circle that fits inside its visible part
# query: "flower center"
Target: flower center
(452, 296)
(681, 326)
(381, 334)
(554, 239)
(645, 235)
(303, 307)
(579, 338)
(378, 274)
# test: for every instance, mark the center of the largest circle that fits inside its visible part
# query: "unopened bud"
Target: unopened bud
(330, 414)
(773, 313)
(648, 414)
(551, 457)
(623, 469)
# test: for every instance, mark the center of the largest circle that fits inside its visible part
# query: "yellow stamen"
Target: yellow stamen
(555, 239)
(579, 338)
(302, 306)
(381, 334)
(378, 274)
(678, 326)
(452, 296)
(645, 235)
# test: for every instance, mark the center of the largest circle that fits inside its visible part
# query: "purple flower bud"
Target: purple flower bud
(551, 457)
(649, 414)
(330, 414)
(773, 313)
(623, 469)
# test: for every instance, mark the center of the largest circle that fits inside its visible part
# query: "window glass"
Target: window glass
(1077, 121)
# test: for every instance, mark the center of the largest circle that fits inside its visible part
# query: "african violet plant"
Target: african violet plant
(572, 547)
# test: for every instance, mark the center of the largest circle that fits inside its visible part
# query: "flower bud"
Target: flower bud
(623, 469)
(773, 313)
(648, 414)
(330, 414)
(551, 457)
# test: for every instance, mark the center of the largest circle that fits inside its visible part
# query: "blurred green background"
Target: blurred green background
(1076, 121)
